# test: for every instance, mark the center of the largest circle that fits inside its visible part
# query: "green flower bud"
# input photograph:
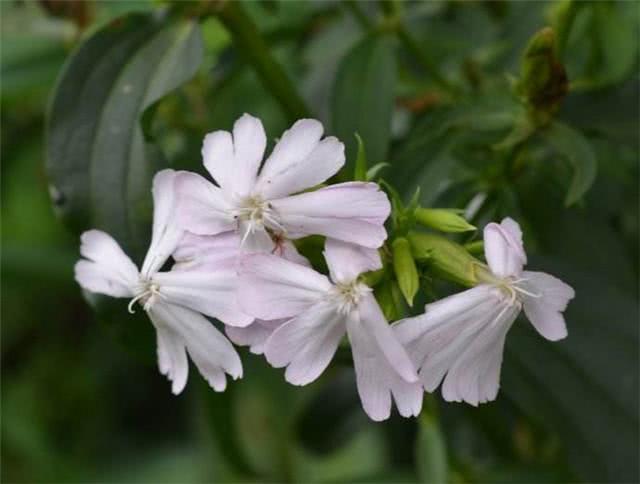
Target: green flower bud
(405, 269)
(387, 297)
(447, 259)
(373, 278)
(475, 248)
(443, 219)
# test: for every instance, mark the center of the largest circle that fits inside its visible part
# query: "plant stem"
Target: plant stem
(252, 46)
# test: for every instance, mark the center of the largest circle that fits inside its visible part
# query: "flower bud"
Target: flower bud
(475, 248)
(543, 80)
(405, 269)
(389, 299)
(447, 259)
(445, 220)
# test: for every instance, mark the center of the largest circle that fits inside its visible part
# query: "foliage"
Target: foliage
(526, 109)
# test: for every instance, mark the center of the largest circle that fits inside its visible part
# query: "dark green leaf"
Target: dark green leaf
(425, 159)
(585, 387)
(99, 164)
(363, 97)
(577, 150)
(613, 28)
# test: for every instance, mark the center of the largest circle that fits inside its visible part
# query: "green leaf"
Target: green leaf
(425, 159)
(431, 451)
(98, 162)
(608, 33)
(363, 97)
(585, 387)
(575, 147)
(360, 172)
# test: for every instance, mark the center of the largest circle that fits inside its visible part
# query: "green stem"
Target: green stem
(248, 41)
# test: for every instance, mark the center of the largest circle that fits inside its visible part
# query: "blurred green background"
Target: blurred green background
(82, 400)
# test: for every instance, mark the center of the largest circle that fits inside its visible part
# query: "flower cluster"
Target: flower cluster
(233, 259)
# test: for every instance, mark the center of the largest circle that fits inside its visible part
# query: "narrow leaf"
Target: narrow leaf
(98, 162)
(577, 150)
(363, 96)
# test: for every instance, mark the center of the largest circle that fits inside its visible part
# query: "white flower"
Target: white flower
(174, 299)
(256, 203)
(463, 335)
(214, 252)
(320, 312)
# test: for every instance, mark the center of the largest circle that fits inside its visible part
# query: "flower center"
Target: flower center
(257, 213)
(511, 289)
(348, 295)
(147, 294)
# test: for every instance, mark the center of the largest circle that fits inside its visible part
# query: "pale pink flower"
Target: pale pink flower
(462, 336)
(214, 252)
(173, 299)
(257, 203)
(320, 311)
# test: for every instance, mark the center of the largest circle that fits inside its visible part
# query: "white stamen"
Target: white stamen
(511, 286)
(348, 295)
(258, 214)
(530, 294)
(149, 291)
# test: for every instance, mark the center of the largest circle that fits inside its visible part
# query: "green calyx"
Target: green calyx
(447, 259)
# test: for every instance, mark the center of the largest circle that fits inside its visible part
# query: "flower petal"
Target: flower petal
(210, 292)
(234, 162)
(254, 240)
(353, 212)
(172, 357)
(544, 310)
(475, 376)
(218, 157)
(411, 330)
(436, 338)
(249, 143)
(503, 248)
(255, 335)
(287, 250)
(295, 145)
(212, 353)
(167, 231)
(376, 380)
(272, 287)
(373, 320)
(107, 269)
(201, 206)
(323, 162)
(347, 261)
(207, 251)
(306, 343)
